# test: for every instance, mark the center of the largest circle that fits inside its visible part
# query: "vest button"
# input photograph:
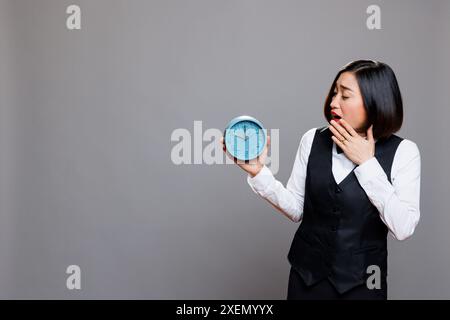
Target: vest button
(335, 209)
(338, 190)
(333, 228)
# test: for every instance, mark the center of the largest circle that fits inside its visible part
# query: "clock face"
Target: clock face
(245, 138)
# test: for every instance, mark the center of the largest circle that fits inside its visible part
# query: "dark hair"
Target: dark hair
(380, 93)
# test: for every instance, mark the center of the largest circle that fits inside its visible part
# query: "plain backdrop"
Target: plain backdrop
(86, 176)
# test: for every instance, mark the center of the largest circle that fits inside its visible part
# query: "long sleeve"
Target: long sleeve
(288, 200)
(398, 203)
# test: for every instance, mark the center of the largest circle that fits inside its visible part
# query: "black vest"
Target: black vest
(341, 232)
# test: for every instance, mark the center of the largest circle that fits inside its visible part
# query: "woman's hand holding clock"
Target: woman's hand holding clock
(355, 147)
(253, 166)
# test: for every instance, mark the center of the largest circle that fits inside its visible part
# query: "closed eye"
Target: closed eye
(343, 97)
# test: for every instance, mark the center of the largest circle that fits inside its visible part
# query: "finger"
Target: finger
(341, 129)
(339, 143)
(223, 144)
(348, 127)
(336, 133)
(263, 154)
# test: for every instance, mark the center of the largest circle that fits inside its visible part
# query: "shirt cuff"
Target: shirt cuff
(262, 180)
(369, 170)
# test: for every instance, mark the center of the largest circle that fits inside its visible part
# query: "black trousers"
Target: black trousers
(324, 290)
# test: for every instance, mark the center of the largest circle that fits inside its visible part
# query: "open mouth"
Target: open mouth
(335, 116)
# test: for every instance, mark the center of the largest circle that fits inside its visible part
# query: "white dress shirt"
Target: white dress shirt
(397, 203)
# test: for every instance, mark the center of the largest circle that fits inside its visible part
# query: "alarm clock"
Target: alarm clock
(245, 138)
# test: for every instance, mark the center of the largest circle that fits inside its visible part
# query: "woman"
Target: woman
(353, 182)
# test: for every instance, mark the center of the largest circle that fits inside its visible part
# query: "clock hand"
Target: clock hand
(239, 136)
(251, 134)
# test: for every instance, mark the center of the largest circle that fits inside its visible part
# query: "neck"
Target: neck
(362, 134)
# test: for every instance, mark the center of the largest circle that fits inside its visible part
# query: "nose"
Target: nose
(334, 104)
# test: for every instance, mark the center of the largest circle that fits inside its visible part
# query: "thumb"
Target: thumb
(268, 140)
(222, 141)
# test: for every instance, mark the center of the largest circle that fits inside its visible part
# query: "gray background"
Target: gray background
(86, 118)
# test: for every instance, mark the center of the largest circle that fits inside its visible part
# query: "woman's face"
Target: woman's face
(347, 102)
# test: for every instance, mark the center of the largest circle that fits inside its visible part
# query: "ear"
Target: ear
(370, 134)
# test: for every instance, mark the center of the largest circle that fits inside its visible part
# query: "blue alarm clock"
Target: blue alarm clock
(245, 138)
